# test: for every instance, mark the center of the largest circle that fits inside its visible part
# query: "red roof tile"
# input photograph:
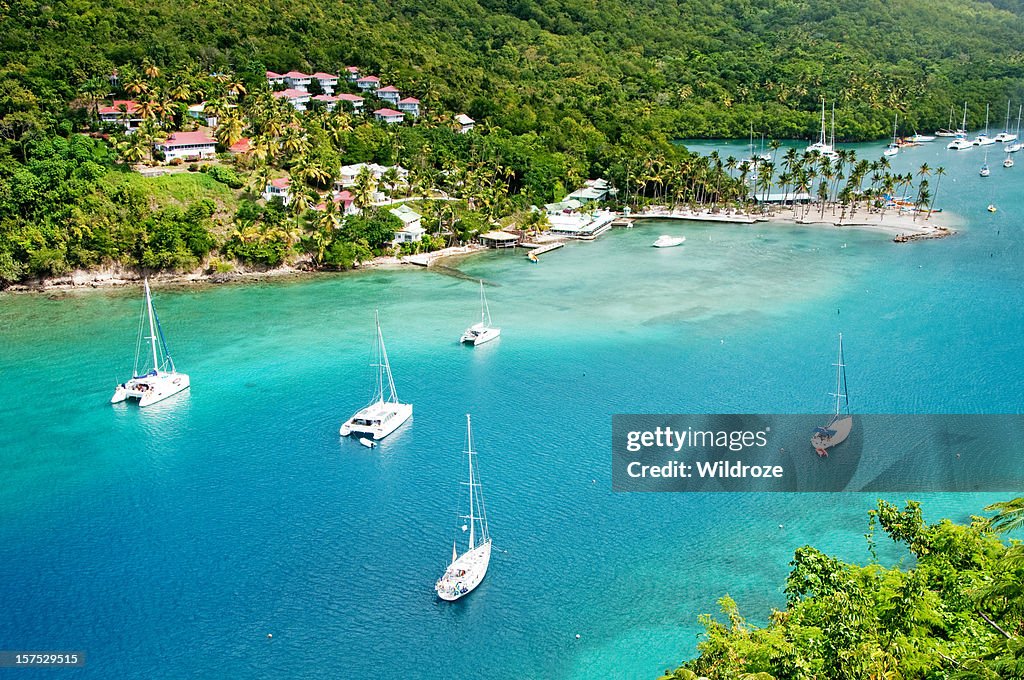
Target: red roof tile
(352, 69)
(389, 88)
(409, 100)
(271, 74)
(369, 79)
(241, 146)
(188, 138)
(324, 76)
(296, 74)
(281, 182)
(350, 97)
(132, 106)
(387, 112)
(291, 94)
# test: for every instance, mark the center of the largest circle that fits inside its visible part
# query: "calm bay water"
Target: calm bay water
(168, 542)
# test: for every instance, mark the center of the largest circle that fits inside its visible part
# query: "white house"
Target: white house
(297, 80)
(592, 190)
(129, 118)
(278, 188)
(275, 78)
(345, 202)
(352, 73)
(327, 82)
(329, 101)
(410, 105)
(349, 173)
(411, 230)
(188, 146)
(369, 83)
(198, 111)
(389, 116)
(465, 123)
(353, 99)
(297, 98)
(389, 94)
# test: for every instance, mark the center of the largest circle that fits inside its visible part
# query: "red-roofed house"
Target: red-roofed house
(353, 99)
(297, 80)
(243, 145)
(410, 105)
(329, 101)
(353, 73)
(278, 188)
(327, 82)
(275, 78)
(389, 115)
(345, 201)
(389, 94)
(188, 146)
(368, 83)
(129, 118)
(297, 98)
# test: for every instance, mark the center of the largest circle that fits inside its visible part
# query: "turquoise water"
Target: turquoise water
(168, 542)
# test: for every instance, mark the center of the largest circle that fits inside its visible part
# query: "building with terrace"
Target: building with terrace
(188, 146)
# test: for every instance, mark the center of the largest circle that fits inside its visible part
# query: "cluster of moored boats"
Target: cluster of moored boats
(383, 415)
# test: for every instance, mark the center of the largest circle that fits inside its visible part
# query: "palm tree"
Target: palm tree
(1009, 517)
(229, 130)
(939, 172)
(365, 185)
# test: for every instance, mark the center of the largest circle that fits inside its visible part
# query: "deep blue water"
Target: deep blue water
(168, 542)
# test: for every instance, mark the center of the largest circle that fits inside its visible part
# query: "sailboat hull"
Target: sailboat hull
(838, 432)
(151, 388)
(479, 334)
(377, 420)
(465, 573)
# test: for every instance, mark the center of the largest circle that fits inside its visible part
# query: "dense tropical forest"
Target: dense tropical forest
(562, 90)
(955, 610)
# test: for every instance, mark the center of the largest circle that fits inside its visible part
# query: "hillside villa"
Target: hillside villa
(278, 188)
(188, 146)
(349, 173)
(369, 83)
(410, 105)
(389, 94)
(297, 98)
(389, 116)
(345, 202)
(128, 118)
(465, 123)
(327, 82)
(412, 230)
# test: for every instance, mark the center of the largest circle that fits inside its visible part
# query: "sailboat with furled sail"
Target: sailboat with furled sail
(841, 423)
(466, 571)
(162, 380)
(381, 416)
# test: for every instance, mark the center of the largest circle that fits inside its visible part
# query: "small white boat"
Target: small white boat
(959, 144)
(466, 571)
(160, 381)
(825, 149)
(1006, 135)
(991, 208)
(985, 172)
(917, 138)
(666, 241)
(983, 139)
(1016, 146)
(840, 425)
(368, 443)
(382, 416)
(481, 332)
(1008, 163)
(893, 148)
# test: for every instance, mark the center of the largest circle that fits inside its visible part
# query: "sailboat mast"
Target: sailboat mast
(839, 376)
(152, 326)
(822, 140)
(963, 124)
(384, 366)
(832, 141)
(1020, 109)
(469, 452)
(986, 120)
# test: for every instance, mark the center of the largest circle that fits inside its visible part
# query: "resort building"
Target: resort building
(297, 98)
(465, 123)
(561, 207)
(348, 173)
(274, 78)
(368, 83)
(585, 226)
(123, 112)
(297, 80)
(278, 188)
(329, 101)
(410, 105)
(389, 94)
(498, 239)
(783, 197)
(389, 116)
(352, 73)
(198, 111)
(412, 230)
(188, 146)
(328, 82)
(354, 100)
(591, 191)
(345, 202)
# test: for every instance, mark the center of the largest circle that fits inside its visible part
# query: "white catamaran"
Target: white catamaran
(824, 148)
(160, 381)
(382, 416)
(839, 426)
(481, 332)
(466, 571)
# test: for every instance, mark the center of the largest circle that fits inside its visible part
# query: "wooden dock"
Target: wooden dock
(625, 222)
(537, 249)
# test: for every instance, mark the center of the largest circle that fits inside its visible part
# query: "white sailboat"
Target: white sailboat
(918, 138)
(983, 139)
(160, 381)
(381, 416)
(483, 331)
(948, 131)
(839, 426)
(821, 147)
(1006, 135)
(893, 148)
(985, 172)
(466, 571)
(961, 142)
(1015, 146)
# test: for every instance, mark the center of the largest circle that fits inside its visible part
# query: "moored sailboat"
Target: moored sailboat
(821, 147)
(162, 380)
(466, 571)
(841, 423)
(381, 416)
(481, 332)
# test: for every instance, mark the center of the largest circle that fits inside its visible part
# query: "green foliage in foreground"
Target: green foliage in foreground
(958, 612)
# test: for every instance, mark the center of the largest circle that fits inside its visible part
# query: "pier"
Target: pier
(537, 249)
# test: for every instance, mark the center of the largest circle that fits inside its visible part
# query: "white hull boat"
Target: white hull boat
(919, 138)
(840, 424)
(465, 572)
(959, 144)
(666, 241)
(824, 148)
(483, 331)
(1008, 163)
(893, 148)
(160, 381)
(383, 415)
